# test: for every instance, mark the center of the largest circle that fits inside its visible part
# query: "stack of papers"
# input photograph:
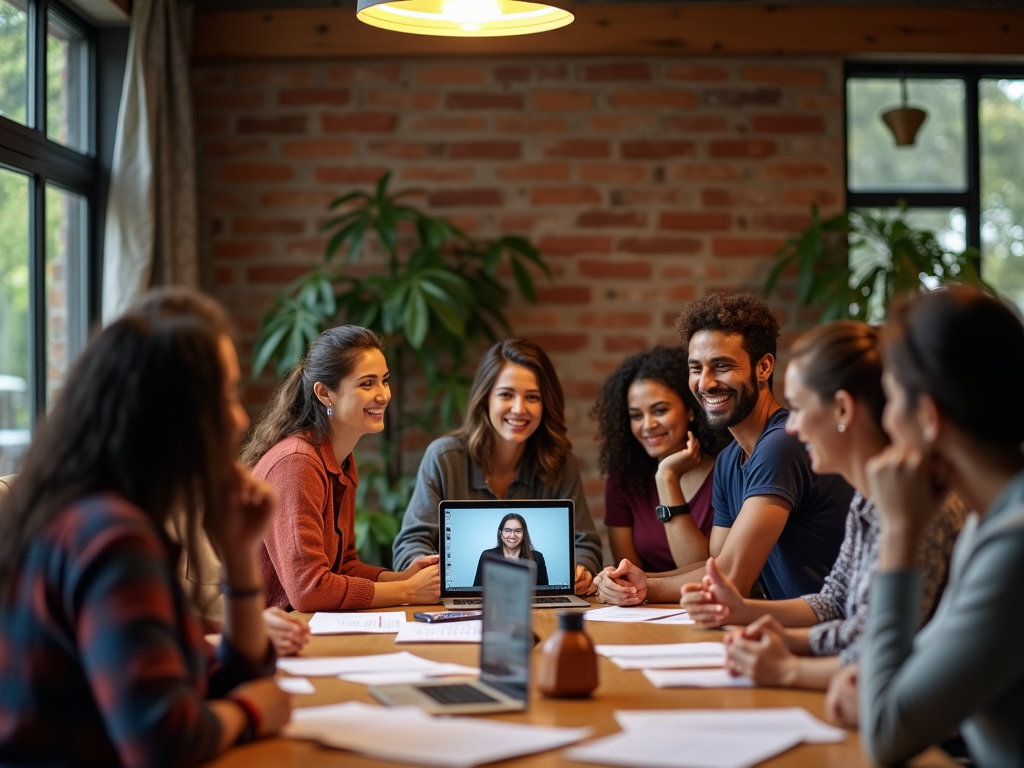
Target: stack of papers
(409, 735)
(710, 738)
(618, 614)
(695, 678)
(387, 622)
(665, 655)
(382, 669)
(449, 632)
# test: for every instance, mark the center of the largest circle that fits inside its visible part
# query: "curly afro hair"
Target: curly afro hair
(621, 452)
(741, 313)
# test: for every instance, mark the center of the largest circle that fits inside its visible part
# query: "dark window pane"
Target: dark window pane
(13, 61)
(1002, 186)
(936, 162)
(14, 318)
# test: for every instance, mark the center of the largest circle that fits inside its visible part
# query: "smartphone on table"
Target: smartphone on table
(435, 617)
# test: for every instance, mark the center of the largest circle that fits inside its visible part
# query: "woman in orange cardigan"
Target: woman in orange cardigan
(303, 448)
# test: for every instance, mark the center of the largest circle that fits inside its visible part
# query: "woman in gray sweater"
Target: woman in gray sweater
(953, 360)
(512, 445)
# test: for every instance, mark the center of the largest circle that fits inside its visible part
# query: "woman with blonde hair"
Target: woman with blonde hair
(512, 445)
(302, 447)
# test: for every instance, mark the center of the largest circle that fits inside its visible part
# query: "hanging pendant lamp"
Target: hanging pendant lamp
(904, 121)
(467, 18)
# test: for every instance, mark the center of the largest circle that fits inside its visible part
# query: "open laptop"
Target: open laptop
(470, 529)
(505, 648)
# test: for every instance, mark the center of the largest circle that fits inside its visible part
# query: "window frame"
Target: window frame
(26, 149)
(970, 199)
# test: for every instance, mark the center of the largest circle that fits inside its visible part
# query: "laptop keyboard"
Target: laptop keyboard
(536, 600)
(456, 694)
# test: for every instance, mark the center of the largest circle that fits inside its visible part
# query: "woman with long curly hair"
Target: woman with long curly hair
(658, 453)
(303, 447)
(103, 660)
(512, 445)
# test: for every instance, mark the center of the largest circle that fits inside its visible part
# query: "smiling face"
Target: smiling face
(722, 377)
(815, 424)
(360, 399)
(514, 406)
(658, 418)
(511, 534)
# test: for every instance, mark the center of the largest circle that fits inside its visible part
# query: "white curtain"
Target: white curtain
(151, 225)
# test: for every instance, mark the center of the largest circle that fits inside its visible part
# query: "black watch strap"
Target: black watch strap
(664, 513)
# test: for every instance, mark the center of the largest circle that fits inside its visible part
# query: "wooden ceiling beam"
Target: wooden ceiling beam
(634, 29)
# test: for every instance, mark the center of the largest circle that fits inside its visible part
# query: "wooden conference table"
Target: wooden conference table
(618, 689)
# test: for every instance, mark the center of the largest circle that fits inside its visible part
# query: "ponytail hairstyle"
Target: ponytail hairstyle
(548, 447)
(145, 415)
(843, 355)
(931, 343)
(294, 408)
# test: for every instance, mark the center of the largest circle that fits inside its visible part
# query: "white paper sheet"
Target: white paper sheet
(618, 614)
(411, 676)
(695, 678)
(294, 684)
(663, 748)
(450, 632)
(665, 655)
(414, 737)
(330, 666)
(387, 622)
(796, 720)
(679, 618)
(703, 661)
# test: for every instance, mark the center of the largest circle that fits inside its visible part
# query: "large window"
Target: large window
(47, 192)
(963, 178)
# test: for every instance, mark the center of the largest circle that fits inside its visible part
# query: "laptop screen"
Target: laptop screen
(472, 530)
(507, 631)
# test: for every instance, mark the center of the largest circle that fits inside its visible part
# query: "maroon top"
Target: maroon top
(623, 508)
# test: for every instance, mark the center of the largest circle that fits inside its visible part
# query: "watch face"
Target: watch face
(663, 513)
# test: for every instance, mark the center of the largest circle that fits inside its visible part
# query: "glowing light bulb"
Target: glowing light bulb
(471, 15)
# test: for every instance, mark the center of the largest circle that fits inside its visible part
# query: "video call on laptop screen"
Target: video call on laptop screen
(471, 531)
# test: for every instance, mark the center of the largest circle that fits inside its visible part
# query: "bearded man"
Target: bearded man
(777, 525)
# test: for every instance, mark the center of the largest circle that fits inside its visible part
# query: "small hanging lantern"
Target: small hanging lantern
(467, 18)
(904, 121)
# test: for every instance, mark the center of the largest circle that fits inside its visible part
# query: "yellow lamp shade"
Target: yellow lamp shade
(466, 18)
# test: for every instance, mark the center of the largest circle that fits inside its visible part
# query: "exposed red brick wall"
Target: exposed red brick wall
(646, 183)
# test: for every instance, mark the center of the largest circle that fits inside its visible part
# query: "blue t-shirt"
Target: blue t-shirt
(779, 466)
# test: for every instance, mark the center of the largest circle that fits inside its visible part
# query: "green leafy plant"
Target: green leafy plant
(436, 299)
(853, 264)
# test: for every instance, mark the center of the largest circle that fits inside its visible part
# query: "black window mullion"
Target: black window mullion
(973, 207)
(889, 199)
(37, 298)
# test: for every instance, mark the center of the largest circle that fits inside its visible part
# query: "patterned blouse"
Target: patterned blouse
(842, 604)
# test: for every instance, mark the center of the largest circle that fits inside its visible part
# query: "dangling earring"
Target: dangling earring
(842, 427)
(330, 411)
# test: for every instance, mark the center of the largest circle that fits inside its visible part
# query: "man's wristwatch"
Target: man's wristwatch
(665, 513)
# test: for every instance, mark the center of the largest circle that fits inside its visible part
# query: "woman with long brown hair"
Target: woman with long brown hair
(100, 644)
(302, 447)
(512, 445)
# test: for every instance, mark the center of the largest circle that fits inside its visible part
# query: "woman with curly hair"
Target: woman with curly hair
(512, 445)
(658, 453)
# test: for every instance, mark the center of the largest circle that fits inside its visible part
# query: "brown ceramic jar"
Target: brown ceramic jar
(568, 663)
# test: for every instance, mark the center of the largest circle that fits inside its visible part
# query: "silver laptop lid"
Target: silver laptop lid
(508, 625)
(471, 530)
